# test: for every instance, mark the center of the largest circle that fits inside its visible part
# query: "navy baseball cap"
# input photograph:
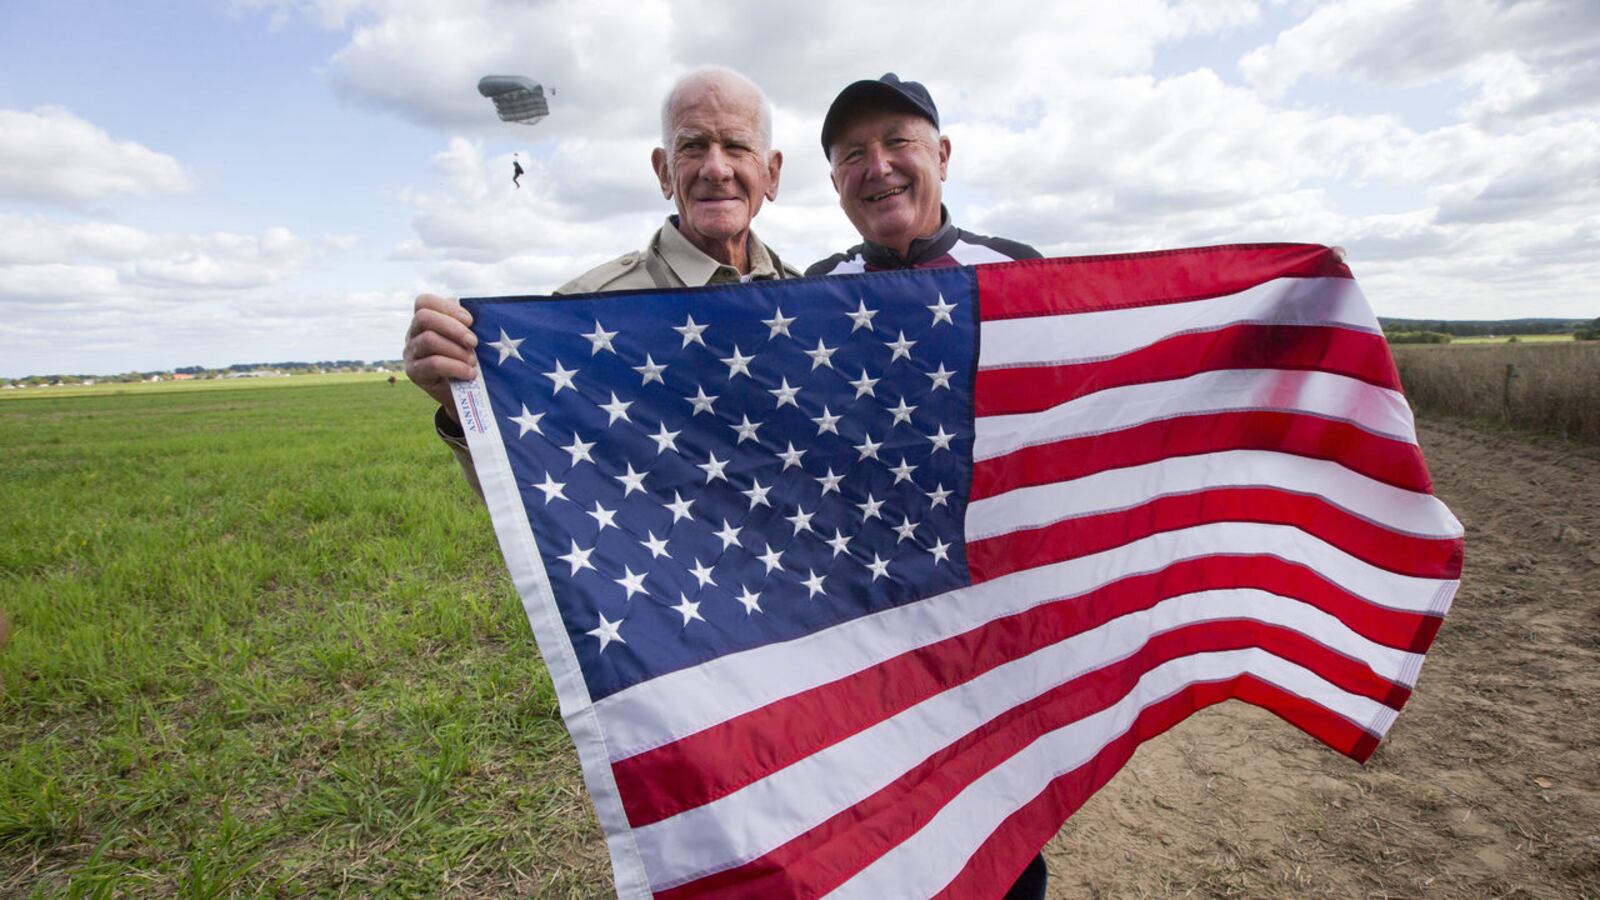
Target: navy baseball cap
(886, 91)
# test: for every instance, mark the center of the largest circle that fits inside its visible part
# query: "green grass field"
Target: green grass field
(262, 642)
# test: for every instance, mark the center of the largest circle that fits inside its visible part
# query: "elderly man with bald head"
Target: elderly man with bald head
(715, 163)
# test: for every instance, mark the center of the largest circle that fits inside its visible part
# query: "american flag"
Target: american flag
(861, 585)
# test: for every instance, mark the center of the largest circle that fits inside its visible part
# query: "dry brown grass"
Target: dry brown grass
(1553, 387)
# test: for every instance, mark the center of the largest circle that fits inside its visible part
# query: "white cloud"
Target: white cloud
(53, 156)
(215, 261)
(1525, 58)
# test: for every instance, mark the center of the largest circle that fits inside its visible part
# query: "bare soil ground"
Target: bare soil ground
(1488, 785)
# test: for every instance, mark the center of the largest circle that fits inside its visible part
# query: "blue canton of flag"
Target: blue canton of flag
(710, 470)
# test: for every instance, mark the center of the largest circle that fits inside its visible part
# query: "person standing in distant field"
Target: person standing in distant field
(516, 173)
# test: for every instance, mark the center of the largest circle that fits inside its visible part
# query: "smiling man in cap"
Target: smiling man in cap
(889, 163)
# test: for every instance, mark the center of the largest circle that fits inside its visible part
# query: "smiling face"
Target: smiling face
(889, 167)
(719, 169)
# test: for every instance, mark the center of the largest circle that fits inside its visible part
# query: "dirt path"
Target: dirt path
(1489, 784)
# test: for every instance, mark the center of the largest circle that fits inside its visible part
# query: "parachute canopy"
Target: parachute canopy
(516, 99)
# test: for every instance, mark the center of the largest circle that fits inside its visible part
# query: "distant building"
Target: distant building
(182, 376)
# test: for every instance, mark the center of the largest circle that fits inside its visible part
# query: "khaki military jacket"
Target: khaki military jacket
(668, 261)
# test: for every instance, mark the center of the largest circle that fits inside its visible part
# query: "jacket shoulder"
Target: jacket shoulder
(626, 271)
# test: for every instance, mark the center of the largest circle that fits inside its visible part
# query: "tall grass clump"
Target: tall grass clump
(1541, 386)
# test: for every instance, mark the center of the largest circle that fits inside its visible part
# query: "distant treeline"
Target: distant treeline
(288, 368)
(1485, 328)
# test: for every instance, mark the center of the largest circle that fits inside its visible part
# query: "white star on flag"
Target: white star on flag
(757, 493)
(729, 534)
(901, 347)
(578, 558)
(941, 441)
(561, 377)
(941, 378)
(618, 409)
(713, 467)
(813, 583)
(785, 394)
(631, 480)
(839, 542)
(771, 558)
(665, 440)
(579, 448)
(941, 551)
(702, 402)
(691, 332)
(679, 507)
(606, 518)
(827, 421)
(791, 457)
(822, 355)
(879, 567)
(650, 371)
(552, 489)
(528, 421)
(687, 608)
(507, 345)
(863, 385)
(737, 363)
(862, 316)
(600, 339)
(746, 429)
(656, 546)
(633, 584)
(902, 412)
(751, 601)
(607, 632)
(702, 574)
(941, 311)
(778, 323)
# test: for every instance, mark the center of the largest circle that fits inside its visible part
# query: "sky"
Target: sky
(210, 183)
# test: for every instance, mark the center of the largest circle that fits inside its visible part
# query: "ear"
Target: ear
(658, 161)
(944, 156)
(774, 169)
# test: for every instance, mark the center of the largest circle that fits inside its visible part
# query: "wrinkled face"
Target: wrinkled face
(718, 171)
(889, 167)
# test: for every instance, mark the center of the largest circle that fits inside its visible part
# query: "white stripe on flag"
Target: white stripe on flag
(801, 796)
(1396, 509)
(1320, 394)
(1088, 336)
(680, 703)
(927, 861)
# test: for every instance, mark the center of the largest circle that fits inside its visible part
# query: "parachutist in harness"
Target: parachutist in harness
(516, 172)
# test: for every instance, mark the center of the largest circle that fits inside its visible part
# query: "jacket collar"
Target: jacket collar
(922, 249)
(694, 268)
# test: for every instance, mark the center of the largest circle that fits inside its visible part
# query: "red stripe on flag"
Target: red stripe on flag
(716, 761)
(1422, 557)
(1006, 851)
(824, 857)
(1050, 286)
(1341, 351)
(1384, 459)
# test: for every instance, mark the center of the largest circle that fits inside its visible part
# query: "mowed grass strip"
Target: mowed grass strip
(262, 642)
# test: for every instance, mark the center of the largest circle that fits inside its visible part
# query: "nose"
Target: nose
(715, 166)
(877, 160)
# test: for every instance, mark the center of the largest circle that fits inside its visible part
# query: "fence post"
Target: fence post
(1505, 396)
